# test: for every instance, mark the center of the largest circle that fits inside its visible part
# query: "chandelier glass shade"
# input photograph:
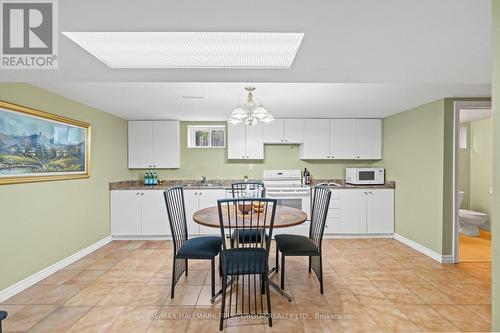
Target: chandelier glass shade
(251, 113)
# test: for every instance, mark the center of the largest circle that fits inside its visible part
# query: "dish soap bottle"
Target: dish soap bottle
(146, 179)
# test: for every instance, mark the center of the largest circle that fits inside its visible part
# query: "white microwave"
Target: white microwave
(365, 176)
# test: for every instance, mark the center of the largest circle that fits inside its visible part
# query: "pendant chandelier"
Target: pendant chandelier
(251, 113)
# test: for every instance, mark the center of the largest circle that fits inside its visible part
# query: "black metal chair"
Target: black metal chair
(207, 247)
(244, 190)
(246, 265)
(295, 245)
(3, 315)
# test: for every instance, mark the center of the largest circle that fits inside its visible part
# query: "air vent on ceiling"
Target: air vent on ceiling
(191, 49)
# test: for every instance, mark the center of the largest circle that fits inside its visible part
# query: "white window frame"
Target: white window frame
(210, 128)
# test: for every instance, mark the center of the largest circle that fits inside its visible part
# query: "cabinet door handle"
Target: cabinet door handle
(327, 156)
(281, 140)
(142, 194)
(137, 193)
(243, 156)
(247, 156)
(200, 193)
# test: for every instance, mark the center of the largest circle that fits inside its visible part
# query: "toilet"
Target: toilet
(469, 220)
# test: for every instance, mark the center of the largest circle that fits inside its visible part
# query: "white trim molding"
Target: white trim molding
(444, 259)
(38, 276)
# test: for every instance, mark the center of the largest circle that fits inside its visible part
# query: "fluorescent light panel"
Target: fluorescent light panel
(190, 49)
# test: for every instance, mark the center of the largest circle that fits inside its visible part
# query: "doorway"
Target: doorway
(472, 181)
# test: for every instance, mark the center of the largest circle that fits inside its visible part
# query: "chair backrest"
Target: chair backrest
(258, 217)
(174, 200)
(248, 189)
(319, 212)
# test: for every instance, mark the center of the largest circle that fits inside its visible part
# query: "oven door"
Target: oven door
(301, 202)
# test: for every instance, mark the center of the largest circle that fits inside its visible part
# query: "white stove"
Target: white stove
(286, 186)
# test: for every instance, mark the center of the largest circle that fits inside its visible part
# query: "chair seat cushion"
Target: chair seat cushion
(244, 261)
(200, 247)
(295, 245)
(248, 236)
(3, 315)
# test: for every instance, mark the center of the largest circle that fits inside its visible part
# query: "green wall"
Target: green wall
(413, 157)
(45, 222)
(212, 162)
(481, 172)
(495, 224)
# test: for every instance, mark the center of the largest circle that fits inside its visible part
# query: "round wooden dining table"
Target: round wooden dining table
(284, 217)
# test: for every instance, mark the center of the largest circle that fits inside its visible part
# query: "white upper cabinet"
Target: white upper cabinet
(369, 139)
(284, 131)
(316, 139)
(273, 132)
(245, 142)
(343, 139)
(153, 144)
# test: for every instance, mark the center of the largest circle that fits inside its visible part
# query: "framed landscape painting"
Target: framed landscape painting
(39, 146)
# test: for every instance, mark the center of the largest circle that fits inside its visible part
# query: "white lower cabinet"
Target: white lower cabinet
(138, 213)
(143, 212)
(199, 199)
(361, 211)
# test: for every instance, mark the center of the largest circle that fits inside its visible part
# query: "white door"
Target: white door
(273, 131)
(380, 211)
(369, 139)
(293, 130)
(192, 204)
(236, 141)
(343, 138)
(154, 214)
(352, 210)
(125, 213)
(166, 145)
(140, 144)
(316, 139)
(208, 198)
(255, 142)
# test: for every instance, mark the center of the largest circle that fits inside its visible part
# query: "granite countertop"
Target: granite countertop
(341, 184)
(226, 184)
(188, 184)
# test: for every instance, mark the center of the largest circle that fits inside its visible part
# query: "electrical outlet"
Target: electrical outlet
(250, 166)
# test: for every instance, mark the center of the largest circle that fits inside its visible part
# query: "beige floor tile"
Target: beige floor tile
(185, 295)
(29, 295)
(399, 294)
(463, 318)
(427, 319)
(58, 278)
(431, 295)
(97, 320)
(152, 295)
(134, 320)
(91, 295)
(171, 319)
(304, 296)
(84, 278)
(60, 320)
(390, 319)
(22, 318)
(122, 294)
(481, 310)
(204, 319)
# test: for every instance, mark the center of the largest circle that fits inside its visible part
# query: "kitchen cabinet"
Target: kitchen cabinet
(345, 139)
(316, 144)
(290, 131)
(199, 199)
(136, 213)
(369, 139)
(153, 144)
(361, 211)
(245, 142)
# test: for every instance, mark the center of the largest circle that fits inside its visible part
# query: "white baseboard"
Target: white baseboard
(444, 259)
(35, 278)
(357, 236)
(144, 237)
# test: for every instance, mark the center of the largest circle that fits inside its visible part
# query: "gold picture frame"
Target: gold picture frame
(54, 152)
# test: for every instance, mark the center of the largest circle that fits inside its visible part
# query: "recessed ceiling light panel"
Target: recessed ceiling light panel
(190, 49)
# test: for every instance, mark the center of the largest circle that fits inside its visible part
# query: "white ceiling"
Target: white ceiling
(346, 41)
(161, 100)
(468, 115)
